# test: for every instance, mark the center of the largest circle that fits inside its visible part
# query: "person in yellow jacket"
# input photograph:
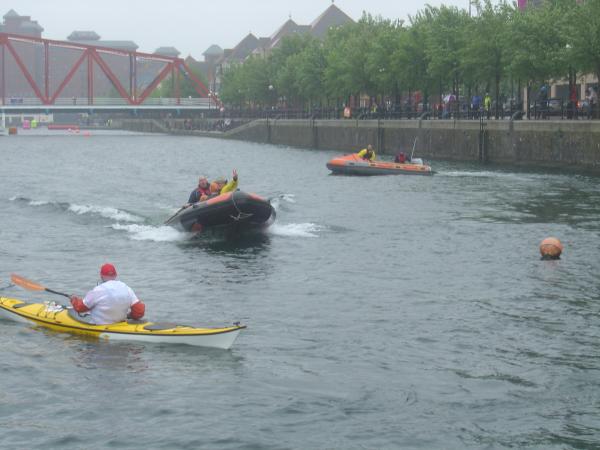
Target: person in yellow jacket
(487, 104)
(221, 186)
(367, 153)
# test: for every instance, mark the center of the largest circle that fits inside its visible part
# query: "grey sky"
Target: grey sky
(192, 26)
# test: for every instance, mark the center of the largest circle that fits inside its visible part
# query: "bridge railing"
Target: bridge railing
(110, 101)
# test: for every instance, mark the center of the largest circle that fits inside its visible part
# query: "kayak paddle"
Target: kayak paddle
(32, 286)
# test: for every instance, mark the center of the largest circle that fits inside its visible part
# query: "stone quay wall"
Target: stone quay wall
(549, 143)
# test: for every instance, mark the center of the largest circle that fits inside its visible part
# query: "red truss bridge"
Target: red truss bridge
(48, 75)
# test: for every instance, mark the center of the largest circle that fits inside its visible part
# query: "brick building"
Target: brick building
(251, 45)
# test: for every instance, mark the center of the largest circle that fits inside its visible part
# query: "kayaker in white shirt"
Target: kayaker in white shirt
(111, 301)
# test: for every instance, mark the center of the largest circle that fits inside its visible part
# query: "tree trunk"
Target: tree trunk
(597, 106)
(528, 99)
(497, 113)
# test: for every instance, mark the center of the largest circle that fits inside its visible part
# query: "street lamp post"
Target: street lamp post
(270, 97)
(572, 86)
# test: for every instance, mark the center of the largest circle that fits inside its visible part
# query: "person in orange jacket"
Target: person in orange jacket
(221, 186)
(111, 301)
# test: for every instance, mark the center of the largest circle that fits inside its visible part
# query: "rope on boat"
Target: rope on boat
(241, 215)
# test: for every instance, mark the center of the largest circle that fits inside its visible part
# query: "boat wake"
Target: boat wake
(139, 230)
(283, 202)
(152, 233)
(133, 224)
(490, 174)
(103, 211)
(279, 201)
(309, 230)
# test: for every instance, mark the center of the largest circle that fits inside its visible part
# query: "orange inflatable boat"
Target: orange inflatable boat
(355, 165)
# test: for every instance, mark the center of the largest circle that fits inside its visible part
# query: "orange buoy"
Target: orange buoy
(551, 248)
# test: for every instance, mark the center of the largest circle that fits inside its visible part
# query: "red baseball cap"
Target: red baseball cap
(108, 270)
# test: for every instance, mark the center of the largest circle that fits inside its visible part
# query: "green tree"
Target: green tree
(444, 44)
(485, 54)
(379, 65)
(537, 54)
(232, 86)
(584, 38)
(310, 71)
(411, 59)
(187, 84)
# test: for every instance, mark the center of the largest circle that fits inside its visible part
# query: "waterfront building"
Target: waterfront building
(170, 52)
(207, 67)
(92, 38)
(32, 56)
(253, 46)
(17, 24)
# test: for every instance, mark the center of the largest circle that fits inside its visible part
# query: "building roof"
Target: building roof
(167, 51)
(32, 25)
(199, 66)
(15, 23)
(89, 37)
(12, 14)
(119, 45)
(213, 50)
(263, 46)
(264, 42)
(331, 17)
(83, 36)
(300, 29)
(288, 27)
(241, 51)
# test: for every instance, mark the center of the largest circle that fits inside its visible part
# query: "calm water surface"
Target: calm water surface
(382, 313)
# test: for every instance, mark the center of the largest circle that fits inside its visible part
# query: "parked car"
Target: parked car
(555, 106)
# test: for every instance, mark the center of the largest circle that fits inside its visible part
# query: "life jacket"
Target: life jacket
(203, 191)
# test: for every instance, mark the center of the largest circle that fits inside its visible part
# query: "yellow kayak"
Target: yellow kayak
(58, 318)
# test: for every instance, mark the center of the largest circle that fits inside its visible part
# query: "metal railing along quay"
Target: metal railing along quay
(551, 109)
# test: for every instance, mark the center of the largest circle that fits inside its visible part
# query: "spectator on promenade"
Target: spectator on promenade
(449, 103)
(476, 105)
(487, 104)
(543, 100)
(572, 111)
(347, 112)
(593, 102)
(374, 109)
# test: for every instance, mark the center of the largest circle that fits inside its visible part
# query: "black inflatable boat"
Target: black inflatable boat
(233, 212)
